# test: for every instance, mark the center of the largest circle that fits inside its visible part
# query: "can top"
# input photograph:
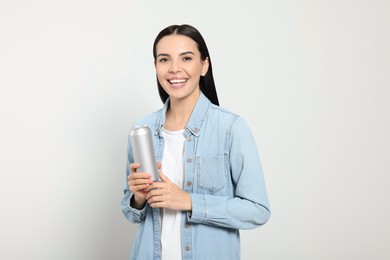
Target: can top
(140, 130)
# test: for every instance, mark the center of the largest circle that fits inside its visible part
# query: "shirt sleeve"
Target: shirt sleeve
(249, 206)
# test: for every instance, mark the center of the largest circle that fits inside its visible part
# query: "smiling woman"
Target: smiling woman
(206, 83)
(212, 182)
(179, 67)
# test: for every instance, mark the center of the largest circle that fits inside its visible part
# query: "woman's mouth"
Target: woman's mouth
(177, 83)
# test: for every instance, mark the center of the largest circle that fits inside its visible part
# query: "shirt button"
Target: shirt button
(189, 183)
(188, 248)
(189, 139)
(189, 160)
(187, 225)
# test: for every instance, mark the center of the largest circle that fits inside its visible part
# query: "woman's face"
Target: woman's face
(179, 67)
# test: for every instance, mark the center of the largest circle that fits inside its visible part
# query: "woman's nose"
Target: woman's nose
(175, 67)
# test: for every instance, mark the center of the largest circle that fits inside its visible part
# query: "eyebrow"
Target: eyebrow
(181, 54)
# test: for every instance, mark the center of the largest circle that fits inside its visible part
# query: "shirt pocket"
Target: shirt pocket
(211, 173)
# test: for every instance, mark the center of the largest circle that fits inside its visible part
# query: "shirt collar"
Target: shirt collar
(196, 120)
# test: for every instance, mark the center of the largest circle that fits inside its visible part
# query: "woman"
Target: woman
(211, 177)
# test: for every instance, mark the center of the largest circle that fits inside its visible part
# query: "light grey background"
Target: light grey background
(310, 77)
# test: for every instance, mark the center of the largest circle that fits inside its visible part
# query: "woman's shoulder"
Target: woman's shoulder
(227, 117)
(223, 112)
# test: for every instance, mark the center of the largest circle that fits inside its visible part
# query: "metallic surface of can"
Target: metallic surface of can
(143, 150)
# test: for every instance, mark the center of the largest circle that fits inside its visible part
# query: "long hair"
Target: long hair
(206, 82)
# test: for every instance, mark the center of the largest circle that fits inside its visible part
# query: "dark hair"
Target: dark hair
(206, 82)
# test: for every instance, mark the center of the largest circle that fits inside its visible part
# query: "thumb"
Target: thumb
(159, 164)
(164, 178)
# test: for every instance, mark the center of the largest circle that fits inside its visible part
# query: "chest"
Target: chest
(204, 160)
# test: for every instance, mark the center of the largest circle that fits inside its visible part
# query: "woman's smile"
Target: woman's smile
(177, 82)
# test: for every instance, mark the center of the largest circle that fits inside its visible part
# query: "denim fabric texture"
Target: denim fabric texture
(222, 173)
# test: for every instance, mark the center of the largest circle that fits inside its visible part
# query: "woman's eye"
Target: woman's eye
(163, 60)
(187, 58)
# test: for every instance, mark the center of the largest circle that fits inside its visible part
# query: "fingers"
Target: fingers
(168, 196)
(159, 192)
(156, 198)
(152, 193)
(139, 181)
(134, 166)
(139, 187)
(139, 175)
(157, 185)
(165, 178)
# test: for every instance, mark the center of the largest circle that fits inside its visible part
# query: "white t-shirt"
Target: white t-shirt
(173, 168)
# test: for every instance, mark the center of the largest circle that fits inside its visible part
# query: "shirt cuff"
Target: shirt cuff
(139, 213)
(198, 213)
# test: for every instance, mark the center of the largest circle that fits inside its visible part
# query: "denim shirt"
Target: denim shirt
(222, 174)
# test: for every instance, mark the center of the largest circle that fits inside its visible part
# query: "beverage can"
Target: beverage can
(143, 150)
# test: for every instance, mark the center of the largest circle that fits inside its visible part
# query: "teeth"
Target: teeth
(175, 81)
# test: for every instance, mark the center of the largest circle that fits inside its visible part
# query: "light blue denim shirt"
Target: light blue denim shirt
(222, 173)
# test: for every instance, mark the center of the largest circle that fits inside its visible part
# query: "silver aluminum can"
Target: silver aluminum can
(143, 150)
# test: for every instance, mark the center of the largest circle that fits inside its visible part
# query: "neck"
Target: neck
(179, 112)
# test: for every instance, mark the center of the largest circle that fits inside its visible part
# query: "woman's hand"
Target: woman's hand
(139, 182)
(166, 194)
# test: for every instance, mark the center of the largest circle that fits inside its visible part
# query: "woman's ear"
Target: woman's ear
(205, 67)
